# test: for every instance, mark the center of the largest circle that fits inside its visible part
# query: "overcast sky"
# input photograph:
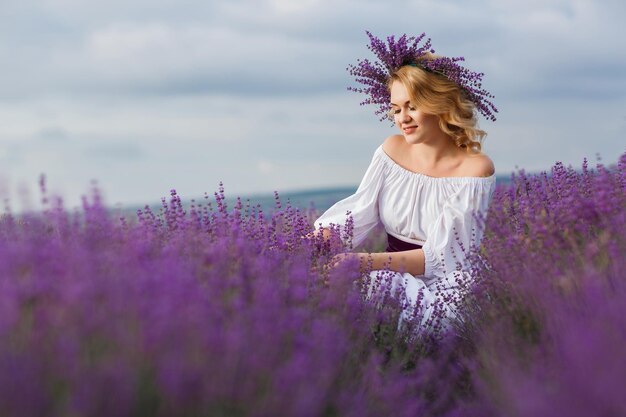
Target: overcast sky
(144, 96)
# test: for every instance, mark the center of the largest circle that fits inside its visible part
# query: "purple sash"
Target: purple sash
(396, 245)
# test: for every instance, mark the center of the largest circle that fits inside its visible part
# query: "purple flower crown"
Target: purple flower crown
(406, 51)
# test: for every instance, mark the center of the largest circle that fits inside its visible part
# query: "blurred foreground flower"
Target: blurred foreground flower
(228, 311)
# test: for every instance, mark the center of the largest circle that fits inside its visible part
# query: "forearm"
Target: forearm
(411, 261)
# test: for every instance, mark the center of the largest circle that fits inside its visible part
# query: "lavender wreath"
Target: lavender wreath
(407, 51)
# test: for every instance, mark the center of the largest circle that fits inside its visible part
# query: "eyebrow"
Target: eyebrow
(406, 102)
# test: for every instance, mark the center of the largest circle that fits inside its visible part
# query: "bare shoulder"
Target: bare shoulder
(479, 165)
(394, 145)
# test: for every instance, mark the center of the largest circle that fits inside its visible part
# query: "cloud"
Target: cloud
(274, 48)
(265, 167)
(186, 93)
(52, 134)
(113, 152)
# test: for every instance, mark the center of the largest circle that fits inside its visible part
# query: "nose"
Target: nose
(404, 115)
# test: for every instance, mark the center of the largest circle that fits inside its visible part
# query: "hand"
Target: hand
(336, 261)
(343, 257)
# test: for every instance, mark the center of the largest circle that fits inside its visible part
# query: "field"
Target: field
(209, 309)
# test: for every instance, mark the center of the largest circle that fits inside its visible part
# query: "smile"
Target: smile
(409, 129)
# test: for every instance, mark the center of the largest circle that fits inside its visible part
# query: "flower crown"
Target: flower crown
(406, 51)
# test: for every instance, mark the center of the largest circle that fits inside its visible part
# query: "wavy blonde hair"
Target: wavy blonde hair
(435, 94)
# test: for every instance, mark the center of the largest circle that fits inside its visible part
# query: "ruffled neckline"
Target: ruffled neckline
(399, 168)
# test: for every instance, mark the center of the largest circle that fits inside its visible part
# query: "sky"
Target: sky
(144, 96)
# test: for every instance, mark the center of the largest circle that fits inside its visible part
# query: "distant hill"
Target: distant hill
(320, 199)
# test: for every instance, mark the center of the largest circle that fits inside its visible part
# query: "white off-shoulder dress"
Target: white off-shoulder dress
(437, 213)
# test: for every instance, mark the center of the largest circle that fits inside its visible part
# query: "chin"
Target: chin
(412, 140)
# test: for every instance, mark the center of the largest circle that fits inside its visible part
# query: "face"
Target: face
(415, 125)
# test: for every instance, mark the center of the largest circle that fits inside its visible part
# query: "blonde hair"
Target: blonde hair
(435, 94)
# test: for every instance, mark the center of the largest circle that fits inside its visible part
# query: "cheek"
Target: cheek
(420, 119)
(432, 120)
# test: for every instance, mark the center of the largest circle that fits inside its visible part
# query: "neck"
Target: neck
(431, 152)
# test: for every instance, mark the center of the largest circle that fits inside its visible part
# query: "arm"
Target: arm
(458, 229)
(361, 207)
(450, 237)
(411, 261)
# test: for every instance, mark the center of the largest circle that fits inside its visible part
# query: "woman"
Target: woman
(426, 185)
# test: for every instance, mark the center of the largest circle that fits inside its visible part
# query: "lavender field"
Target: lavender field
(216, 310)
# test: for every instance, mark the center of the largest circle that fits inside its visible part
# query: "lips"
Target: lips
(409, 129)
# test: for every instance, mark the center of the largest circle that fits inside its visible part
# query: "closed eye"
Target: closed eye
(396, 111)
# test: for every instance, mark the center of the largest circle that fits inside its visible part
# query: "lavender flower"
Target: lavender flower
(208, 309)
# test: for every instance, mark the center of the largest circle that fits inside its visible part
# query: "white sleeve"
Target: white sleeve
(457, 230)
(362, 205)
